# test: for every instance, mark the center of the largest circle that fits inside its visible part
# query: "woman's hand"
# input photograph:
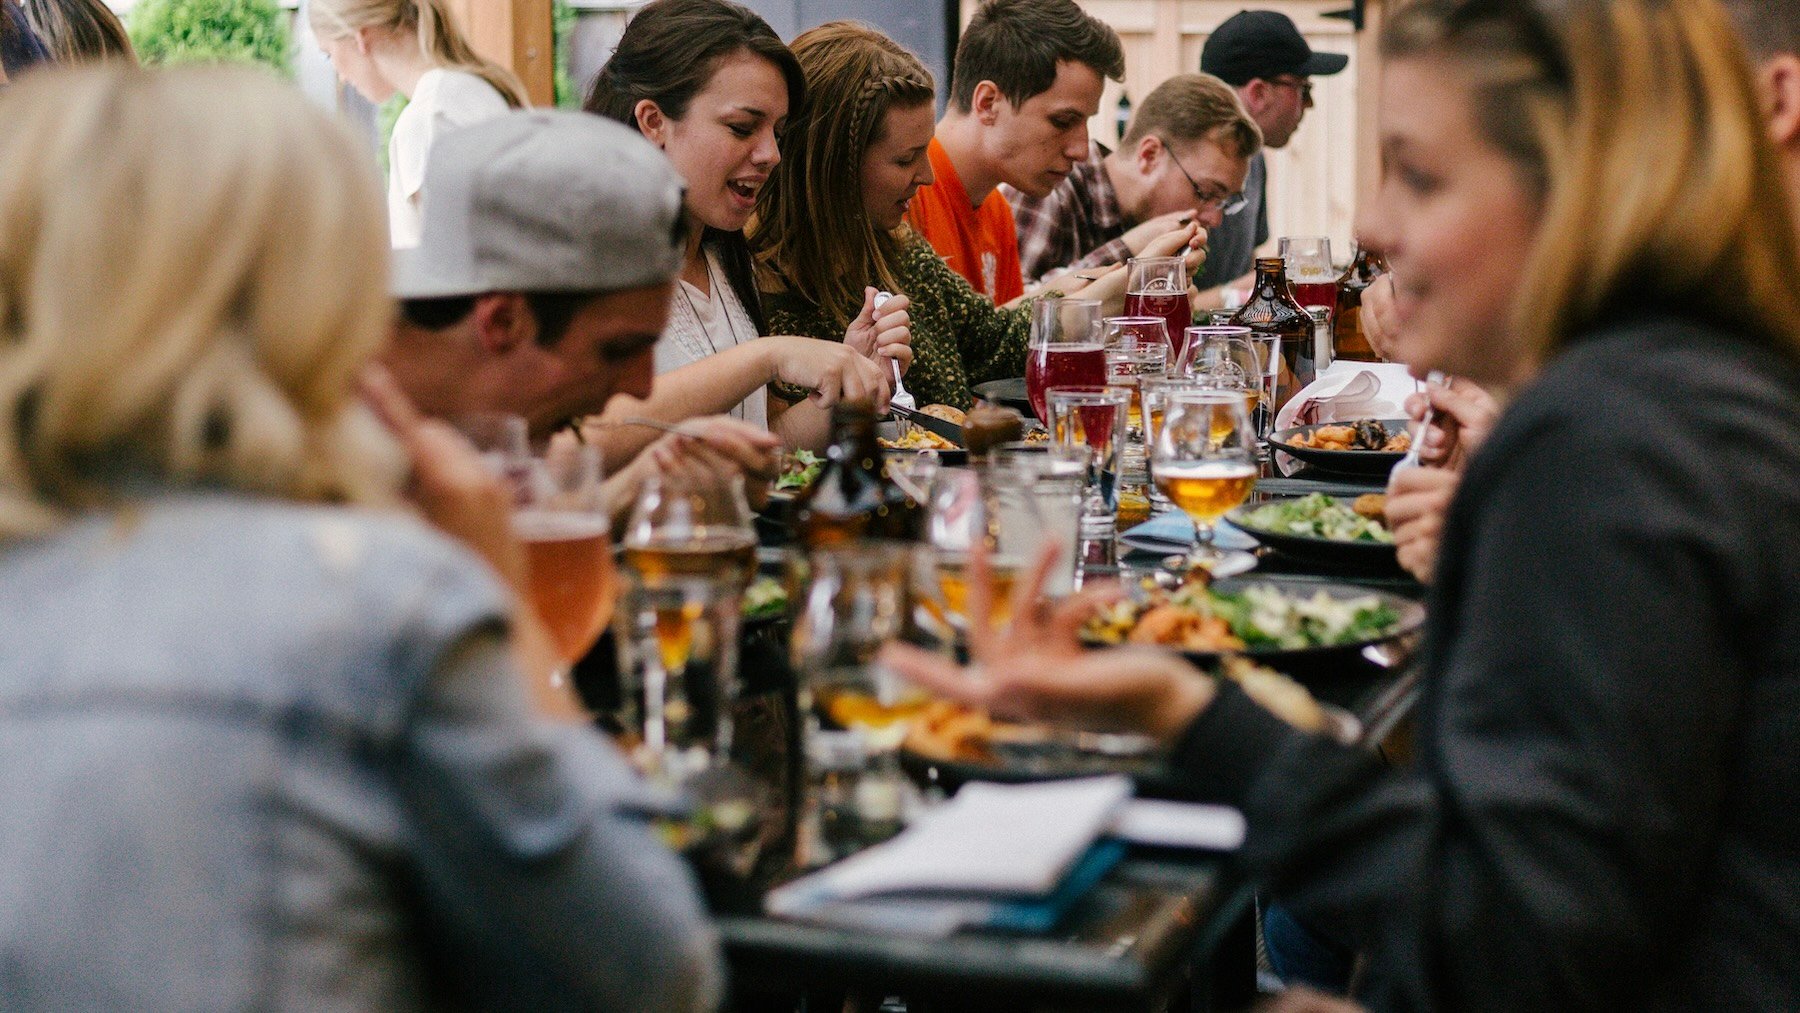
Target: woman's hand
(1036, 668)
(884, 331)
(1380, 320)
(832, 370)
(451, 486)
(1418, 500)
(1463, 414)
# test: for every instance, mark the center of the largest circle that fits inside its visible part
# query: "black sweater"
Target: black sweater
(1605, 810)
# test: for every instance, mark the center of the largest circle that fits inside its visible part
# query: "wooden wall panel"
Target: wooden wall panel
(518, 34)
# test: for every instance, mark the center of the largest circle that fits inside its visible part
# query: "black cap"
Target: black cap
(1263, 44)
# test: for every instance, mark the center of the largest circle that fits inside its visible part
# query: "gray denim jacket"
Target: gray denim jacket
(263, 755)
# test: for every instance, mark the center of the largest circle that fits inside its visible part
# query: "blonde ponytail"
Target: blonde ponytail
(440, 39)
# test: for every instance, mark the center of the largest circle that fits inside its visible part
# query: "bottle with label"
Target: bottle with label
(1348, 340)
(1273, 310)
(853, 497)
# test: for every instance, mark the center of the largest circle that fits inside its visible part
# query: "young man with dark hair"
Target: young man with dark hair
(1028, 74)
(542, 282)
(1185, 156)
(1263, 55)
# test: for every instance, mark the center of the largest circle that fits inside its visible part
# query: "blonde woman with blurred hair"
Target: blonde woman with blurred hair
(413, 48)
(264, 740)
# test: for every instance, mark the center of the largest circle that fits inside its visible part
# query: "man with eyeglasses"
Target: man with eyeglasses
(1263, 55)
(1184, 156)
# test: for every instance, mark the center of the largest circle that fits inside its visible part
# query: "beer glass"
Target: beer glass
(1204, 460)
(994, 508)
(1158, 287)
(1136, 347)
(689, 552)
(562, 520)
(1224, 358)
(1310, 271)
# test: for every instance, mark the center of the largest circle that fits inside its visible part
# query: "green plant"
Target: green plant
(212, 31)
(562, 22)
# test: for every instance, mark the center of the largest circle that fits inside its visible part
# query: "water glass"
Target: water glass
(1095, 418)
(1057, 477)
(993, 508)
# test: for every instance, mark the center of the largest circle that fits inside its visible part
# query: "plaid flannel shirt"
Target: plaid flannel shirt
(1078, 225)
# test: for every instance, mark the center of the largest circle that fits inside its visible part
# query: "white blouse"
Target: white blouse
(444, 101)
(703, 323)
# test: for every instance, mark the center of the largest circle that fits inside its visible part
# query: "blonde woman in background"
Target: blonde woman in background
(413, 48)
(77, 31)
(258, 725)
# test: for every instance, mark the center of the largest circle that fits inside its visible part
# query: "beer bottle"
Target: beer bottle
(853, 496)
(1349, 342)
(1272, 309)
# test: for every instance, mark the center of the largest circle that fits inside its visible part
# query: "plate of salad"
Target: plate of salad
(1324, 529)
(1297, 625)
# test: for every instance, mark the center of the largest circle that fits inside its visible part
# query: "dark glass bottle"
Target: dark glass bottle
(853, 496)
(1272, 309)
(1348, 340)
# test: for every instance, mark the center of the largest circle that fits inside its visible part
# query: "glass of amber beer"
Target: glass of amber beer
(688, 554)
(561, 519)
(1204, 461)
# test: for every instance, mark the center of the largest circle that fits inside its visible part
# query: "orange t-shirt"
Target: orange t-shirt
(979, 243)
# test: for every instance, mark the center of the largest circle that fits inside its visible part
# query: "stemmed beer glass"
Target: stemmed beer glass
(1204, 461)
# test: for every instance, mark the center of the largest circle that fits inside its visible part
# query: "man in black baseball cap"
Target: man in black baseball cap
(1263, 56)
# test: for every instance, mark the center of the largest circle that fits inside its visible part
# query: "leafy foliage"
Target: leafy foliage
(212, 31)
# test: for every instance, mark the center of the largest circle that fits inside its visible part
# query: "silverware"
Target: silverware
(1411, 460)
(902, 397)
(667, 427)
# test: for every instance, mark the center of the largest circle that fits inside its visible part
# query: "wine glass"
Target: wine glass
(561, 518)
(1310, 271)
(1065, 348)
(688, 553)
(1204, 461)
(1158, 287)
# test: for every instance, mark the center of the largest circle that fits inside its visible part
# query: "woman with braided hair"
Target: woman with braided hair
(711, 84)
(412, 48)
(832, 222)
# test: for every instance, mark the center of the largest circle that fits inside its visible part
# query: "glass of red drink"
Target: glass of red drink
(1309, 270)
(1066, 348)
(1157, 287)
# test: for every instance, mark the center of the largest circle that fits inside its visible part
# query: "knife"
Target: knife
(931, 423)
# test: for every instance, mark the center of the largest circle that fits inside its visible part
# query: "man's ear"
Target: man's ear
(503, 322)
(985, 103)
(1149, 152)
(1256, 96)
(1778, 84)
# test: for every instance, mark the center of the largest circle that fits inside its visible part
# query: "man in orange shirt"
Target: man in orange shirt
(1028, 75)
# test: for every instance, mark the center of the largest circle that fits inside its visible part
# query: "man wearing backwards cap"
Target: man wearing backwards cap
(1263, 56)
(541, 282)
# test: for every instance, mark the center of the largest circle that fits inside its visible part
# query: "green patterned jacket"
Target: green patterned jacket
(959, 337)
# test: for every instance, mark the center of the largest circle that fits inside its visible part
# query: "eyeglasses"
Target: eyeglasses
(1301, 85)
(1227, 203)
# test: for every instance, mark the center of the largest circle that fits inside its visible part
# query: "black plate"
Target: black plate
(1310, 663)
(1344, 462)
(1010, 393)
(1326, 551)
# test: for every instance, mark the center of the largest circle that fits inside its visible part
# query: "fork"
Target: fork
(1411, 460)
(902, 396)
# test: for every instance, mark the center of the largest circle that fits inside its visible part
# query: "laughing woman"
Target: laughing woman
(831, 224)
(711, 84)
